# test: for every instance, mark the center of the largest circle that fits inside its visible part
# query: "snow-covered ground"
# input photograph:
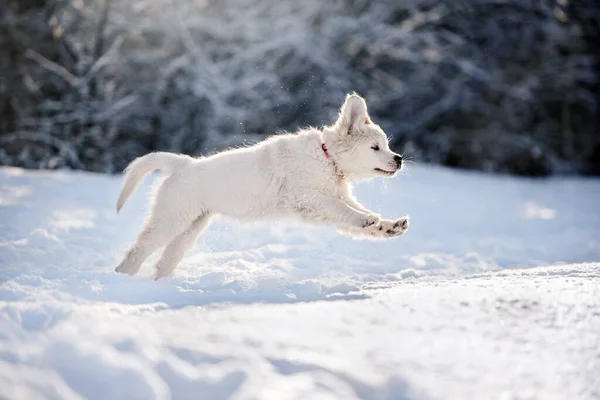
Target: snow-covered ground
(493, 293)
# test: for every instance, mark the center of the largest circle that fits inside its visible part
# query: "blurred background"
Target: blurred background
(510, 86)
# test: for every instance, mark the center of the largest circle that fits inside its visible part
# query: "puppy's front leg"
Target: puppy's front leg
(321, 208)
(352, 202)
(385, 229)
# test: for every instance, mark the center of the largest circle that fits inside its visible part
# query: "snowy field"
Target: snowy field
(494, 293)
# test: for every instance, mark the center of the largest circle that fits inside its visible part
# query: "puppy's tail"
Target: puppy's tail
(142, 166)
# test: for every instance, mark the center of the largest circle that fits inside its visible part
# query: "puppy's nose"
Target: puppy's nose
(398, 160)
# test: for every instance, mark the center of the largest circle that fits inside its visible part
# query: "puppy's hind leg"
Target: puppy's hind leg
(158, 230)
(177, 248)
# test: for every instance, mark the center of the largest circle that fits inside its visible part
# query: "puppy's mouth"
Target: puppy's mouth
(384, 172)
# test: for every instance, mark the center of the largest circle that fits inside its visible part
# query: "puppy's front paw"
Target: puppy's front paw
(390, 229)
(400, 226)
(370, 220)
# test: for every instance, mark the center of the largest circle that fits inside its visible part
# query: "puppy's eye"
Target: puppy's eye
(376, 147)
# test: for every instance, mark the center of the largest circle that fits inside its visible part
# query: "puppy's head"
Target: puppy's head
(359, 146)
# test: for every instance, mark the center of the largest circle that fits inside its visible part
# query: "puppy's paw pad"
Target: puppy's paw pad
(370, 220)
(400, 226)
(389, 228)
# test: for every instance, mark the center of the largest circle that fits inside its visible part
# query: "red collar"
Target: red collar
(324, 147)
(338, 172)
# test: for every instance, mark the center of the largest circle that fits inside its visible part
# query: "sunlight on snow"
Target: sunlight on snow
(10, 196)
(73, 219)
(537, 211)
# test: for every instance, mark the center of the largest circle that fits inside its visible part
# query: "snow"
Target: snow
(494, 292)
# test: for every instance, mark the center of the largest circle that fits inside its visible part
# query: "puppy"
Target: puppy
(307, 174)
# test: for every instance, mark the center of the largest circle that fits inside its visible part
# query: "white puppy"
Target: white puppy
(306, 174)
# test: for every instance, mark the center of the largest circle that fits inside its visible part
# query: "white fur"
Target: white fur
(285, 175)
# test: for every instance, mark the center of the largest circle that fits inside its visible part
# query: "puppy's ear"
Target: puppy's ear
(353, 112)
